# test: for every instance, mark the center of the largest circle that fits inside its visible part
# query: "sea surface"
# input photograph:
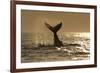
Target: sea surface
(39, 47)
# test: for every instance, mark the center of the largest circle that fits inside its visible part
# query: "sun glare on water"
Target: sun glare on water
(84, 35)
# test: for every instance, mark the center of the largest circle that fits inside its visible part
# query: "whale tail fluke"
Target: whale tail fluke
(55, 28)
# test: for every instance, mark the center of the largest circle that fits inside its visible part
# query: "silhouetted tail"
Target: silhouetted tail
(57, 42)
(55, 28)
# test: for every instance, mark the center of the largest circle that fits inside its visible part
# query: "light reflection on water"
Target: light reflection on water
(39, 47)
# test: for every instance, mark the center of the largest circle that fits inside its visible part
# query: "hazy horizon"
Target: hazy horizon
(34, 21)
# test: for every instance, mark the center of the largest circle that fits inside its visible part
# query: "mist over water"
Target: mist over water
(46, 39)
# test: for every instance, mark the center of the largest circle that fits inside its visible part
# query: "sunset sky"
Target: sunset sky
(33, 21)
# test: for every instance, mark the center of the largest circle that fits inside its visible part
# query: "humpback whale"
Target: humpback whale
(54, 29)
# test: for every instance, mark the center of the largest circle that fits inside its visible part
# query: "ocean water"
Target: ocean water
(39, 47)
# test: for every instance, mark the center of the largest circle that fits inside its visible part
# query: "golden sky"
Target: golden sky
(33, 21)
